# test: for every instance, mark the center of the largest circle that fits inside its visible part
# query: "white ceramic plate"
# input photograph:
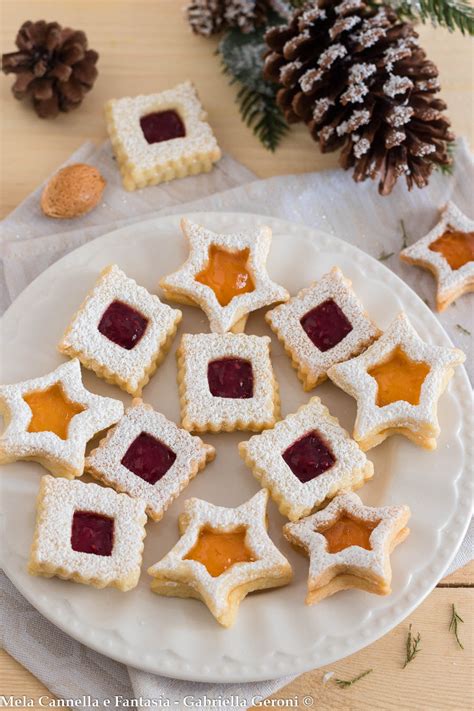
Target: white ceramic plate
(275, 633)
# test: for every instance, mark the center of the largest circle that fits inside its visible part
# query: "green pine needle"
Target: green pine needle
(453, 14)
(404, 235)
(453, 625)
(412, 647)
(449, 168)
(385, 255)
(344, 683)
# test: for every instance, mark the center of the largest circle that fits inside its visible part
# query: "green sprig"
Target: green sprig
(453, 14)
(242, 60)
(344, 683)
(385, 255)
(453, 625)
(404, 235)
(412, 647)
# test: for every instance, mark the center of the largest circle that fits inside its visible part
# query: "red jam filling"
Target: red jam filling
(230, 377)
(162, 126)
(326, 325)
(123, 325)
(148, 458)
(309, 457)
(92, 533)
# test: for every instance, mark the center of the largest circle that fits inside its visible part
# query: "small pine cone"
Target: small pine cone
(354, 73)
(206, 17)
(53, 66)
(247, 15)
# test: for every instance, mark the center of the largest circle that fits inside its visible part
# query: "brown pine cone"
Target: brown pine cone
(206, 17)
(354, 73)
(53, 66)
(247, 15)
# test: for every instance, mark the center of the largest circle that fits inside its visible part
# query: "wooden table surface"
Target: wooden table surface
(145, 46)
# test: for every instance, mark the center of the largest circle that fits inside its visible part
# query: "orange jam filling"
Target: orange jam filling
(51, 410)
(349, 532)
(226, 274)
(456, 247)
(219, 551)
(399, 378)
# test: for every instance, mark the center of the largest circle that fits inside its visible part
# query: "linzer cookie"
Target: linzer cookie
(159, 137)
(226, 383)
(349, 546)
(121, 331)
(448, 252)
(397, 383)
(87, 533)
(149, 457)
(50, 420)
(225, 275)
(306, 459)
(322, 325)
(223, 554)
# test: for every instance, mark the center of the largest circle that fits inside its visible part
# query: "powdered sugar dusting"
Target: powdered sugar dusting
(105, 462)
(263, 454)
(61, 457)
(52, 553)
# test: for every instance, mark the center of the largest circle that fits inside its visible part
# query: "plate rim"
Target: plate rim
(80, 631)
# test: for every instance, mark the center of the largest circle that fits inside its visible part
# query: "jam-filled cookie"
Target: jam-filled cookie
(159, 137)
(149, 457)
(226, 383)
(305, 459)
(121, 331)
(223, 554)
(349, 546)
(448, 252)
(226, 275)
(397, 383)
(50, 420)
(322, 325)
(87, 533)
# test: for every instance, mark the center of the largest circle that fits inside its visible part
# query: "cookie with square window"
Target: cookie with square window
(306, 459)
(160, 137)
(322, 325)
(223, 555)
(349, 546)
(225, 275)
(226, 383)
(50, 419)
(87, 533)
(397, 383)
(148, 457)
(121, 331)
(448, 252)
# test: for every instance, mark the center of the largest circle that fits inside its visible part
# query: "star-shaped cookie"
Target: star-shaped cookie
(50, 419)
(397, 383)
(223, 554)
(349, 546)
(226, 275)
(448, 252)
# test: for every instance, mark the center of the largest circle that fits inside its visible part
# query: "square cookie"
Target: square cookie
(87, 533)
(121, 331)
(306, 459)
(226, 383)
(322, 325)
(159, 137)
(149, 457)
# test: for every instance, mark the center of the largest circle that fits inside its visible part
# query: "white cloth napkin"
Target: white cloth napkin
(30, 242)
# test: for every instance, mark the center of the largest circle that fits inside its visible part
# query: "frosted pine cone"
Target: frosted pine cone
(354, 73)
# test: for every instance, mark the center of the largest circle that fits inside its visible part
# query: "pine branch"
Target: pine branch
(447, 13)
(242, 60)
